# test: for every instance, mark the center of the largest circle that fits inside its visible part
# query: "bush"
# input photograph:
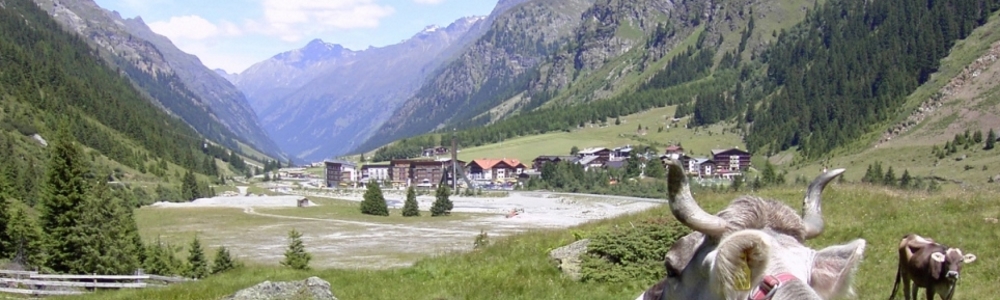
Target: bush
(296, 256)
(631, 253)
(223, 261)
(442, 205)
(482, 240)
(374, 202)
(410, 207)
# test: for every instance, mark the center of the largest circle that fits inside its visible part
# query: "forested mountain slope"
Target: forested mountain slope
(175, 80)
(50, 77)
(843, 71)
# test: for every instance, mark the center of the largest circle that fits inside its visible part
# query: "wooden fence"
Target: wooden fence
(35, 284)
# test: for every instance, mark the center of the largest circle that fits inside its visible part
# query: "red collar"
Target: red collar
(769, 284)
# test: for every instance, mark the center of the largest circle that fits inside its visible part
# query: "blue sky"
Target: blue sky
(234, 34)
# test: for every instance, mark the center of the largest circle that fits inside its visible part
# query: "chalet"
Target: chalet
(684, 160)
(621, 153)
(732, 159)
(376, 172)
(435, 151)
(703, 167)
(674, 151)
(593, 161)
(494, 169)
(602, 152)
(540, 161)
(339, 172)
(615, 164)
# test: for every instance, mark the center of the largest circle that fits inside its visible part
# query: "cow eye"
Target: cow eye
(671, 272)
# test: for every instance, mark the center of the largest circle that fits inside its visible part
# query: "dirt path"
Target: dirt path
(249, 210)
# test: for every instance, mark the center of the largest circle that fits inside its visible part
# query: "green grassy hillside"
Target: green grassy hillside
(518, 267)
(698, 141)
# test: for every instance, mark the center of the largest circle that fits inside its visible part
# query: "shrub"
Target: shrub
(410, 207)
(296, 256)
(442, 205)
(631, 253)
(374, 202)
(482, 240)
(223, 261)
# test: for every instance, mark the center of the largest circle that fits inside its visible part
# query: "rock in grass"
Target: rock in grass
(312, 288)
(568, 257)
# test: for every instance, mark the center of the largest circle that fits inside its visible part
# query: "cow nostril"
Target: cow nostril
(952, 274)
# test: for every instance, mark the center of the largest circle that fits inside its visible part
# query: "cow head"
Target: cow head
(948, 264)
(729, 253)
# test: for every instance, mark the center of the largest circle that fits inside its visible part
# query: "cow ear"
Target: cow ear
(834, 267)
(740, 260)
(969, 258)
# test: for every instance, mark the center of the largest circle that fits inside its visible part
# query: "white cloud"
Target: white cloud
(290, 20)
(431, 2)
(194, 28)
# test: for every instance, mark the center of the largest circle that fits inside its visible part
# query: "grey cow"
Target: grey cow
(924, 263)
(753, 249)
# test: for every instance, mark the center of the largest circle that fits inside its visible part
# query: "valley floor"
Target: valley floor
(339, 236)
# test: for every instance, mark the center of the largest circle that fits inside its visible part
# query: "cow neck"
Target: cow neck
(770, 283)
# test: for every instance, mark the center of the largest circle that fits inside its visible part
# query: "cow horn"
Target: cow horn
(812, 214)
(685, 209)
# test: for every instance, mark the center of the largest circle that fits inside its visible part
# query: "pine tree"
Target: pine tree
(160, 260)
(374, 202)
(906, 180)
(62, 199)
(978, 136)
(189, 187)
(296, 256)
(24, 239)
(114, 245)
(991, 139)
(890, 178)
(197, 263)
(410, 207)
(223, 261)
(5, 211)
(442, 205)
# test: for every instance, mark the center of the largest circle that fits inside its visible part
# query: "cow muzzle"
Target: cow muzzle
(953, 275)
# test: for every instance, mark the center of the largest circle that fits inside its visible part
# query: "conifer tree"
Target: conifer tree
(113, 245)
(62, 199)
(24, 239)
(160, 259)
(906, 180)
(189, 187)
(296, 256)
(223, 261)
(374, 202)
(991, 139)
(5, 210)
(410, 207)
(197, 264)
(442, 204)
(890, 177)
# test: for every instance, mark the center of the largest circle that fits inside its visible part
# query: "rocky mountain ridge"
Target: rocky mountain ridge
(323, 99)
(129, 43)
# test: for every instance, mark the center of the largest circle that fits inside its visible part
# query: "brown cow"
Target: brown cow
(924, 263)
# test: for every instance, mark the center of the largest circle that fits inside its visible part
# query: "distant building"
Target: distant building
(377, 172)
(339, 172)
(731, 160)
(540, 161)
(703, 167)
(494, 169)
(435, 151)
(674, 151)
(602, 152)
(620, 153)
